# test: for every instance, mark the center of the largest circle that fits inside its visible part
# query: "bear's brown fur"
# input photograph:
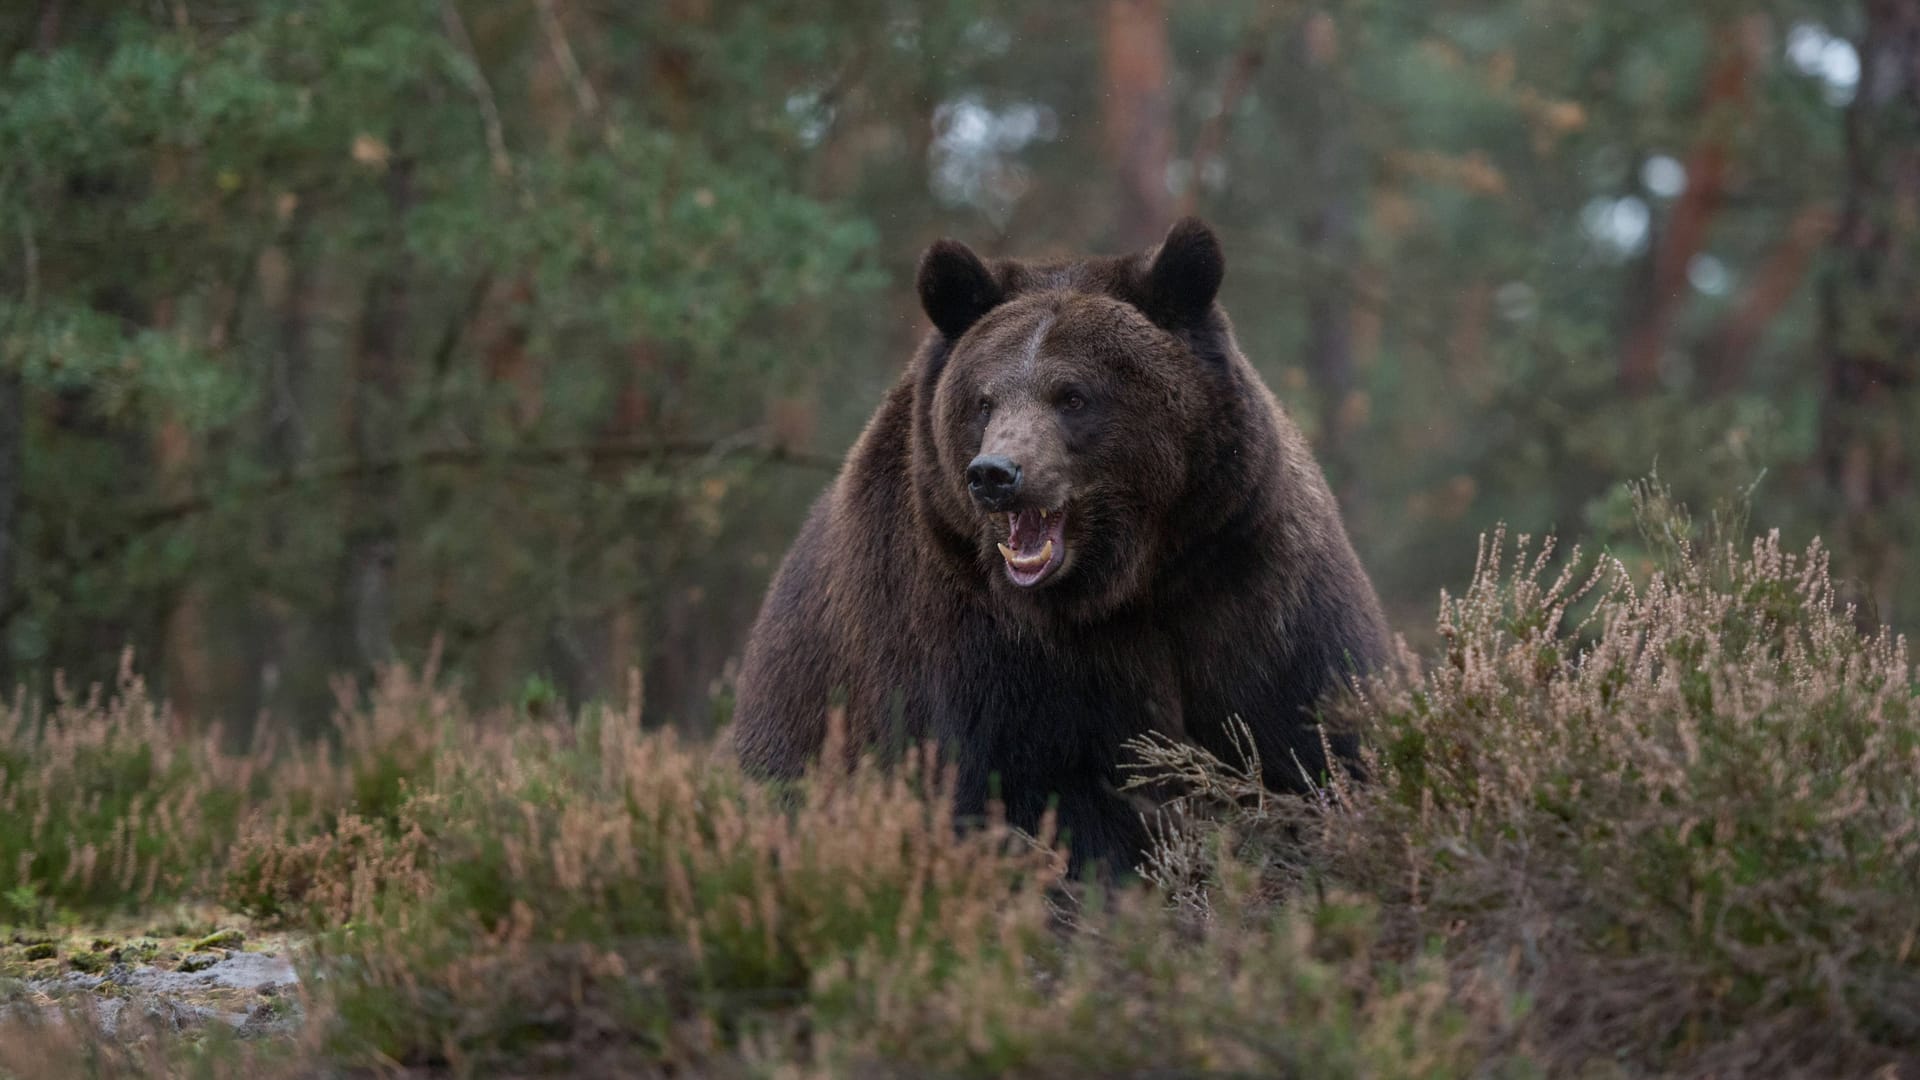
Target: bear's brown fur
(1202, 572)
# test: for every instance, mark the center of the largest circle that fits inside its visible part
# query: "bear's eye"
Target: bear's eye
(986, 406)
(1073, 402)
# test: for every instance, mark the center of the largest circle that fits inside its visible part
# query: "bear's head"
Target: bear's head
(1064, 411)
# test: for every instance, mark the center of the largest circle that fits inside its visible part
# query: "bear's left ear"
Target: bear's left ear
(955, 287)
(1185, 274)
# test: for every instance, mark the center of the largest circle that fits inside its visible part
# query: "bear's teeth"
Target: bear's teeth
(1043, 515)
(1028, 562)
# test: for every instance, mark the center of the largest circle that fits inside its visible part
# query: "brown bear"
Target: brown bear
(1078, 517)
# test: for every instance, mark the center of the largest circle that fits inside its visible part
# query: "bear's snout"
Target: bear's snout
(994, 481)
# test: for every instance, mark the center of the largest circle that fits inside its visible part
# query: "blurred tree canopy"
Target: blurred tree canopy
(339, 331)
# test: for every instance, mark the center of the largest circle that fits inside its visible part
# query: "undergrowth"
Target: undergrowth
(1676, 814)
(1625, 821)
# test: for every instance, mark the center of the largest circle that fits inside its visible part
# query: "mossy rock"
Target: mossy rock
(220, 939)
(93, 963)
(141, 950)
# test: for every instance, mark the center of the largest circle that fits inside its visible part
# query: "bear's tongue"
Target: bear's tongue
(1027, 532)
(1036, 545)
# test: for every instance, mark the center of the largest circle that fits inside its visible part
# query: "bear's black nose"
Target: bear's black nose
(993, 480)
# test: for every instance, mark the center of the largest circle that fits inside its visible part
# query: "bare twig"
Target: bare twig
(593, 454)
(1240, 74)
(30, 262)
(230, 302)
(352, 473)
(563, 55)
(47, 33)
(843, 81)
(598, 455)
(1729, 351)
(482, 91)
(457, 326)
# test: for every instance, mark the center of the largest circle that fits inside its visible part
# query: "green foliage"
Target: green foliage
(547, 273)
(453, 323)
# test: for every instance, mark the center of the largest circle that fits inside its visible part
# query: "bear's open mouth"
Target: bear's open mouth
(1036, 545)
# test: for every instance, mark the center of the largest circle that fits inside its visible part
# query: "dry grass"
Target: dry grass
(1618, 826)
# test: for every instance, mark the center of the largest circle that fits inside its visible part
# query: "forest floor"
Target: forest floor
(174, 977)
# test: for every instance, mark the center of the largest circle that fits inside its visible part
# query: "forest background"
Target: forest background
(520, 333)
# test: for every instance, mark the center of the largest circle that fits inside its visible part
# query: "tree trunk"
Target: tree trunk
(364, 636)
(286, 286)
(12, 436)
(13, 405)
(1725, 106)
(1870, 325)
(1328, 236)
(1139, 117)
(184, 658)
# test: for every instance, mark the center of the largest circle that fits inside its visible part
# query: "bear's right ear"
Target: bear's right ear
(955, 287)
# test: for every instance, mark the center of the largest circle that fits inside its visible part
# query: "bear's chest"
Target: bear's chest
(1041, 726)
(1047, 707)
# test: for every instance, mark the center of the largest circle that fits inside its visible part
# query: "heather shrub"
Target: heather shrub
(109, 806)
(1136, 989)
(330, 834)
(604, 886)
(106, 806)
(1650, 812)
(1677, 812)
(323, 879)
(614, 894)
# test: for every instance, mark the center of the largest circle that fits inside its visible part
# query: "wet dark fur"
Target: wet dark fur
(1211, 578)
